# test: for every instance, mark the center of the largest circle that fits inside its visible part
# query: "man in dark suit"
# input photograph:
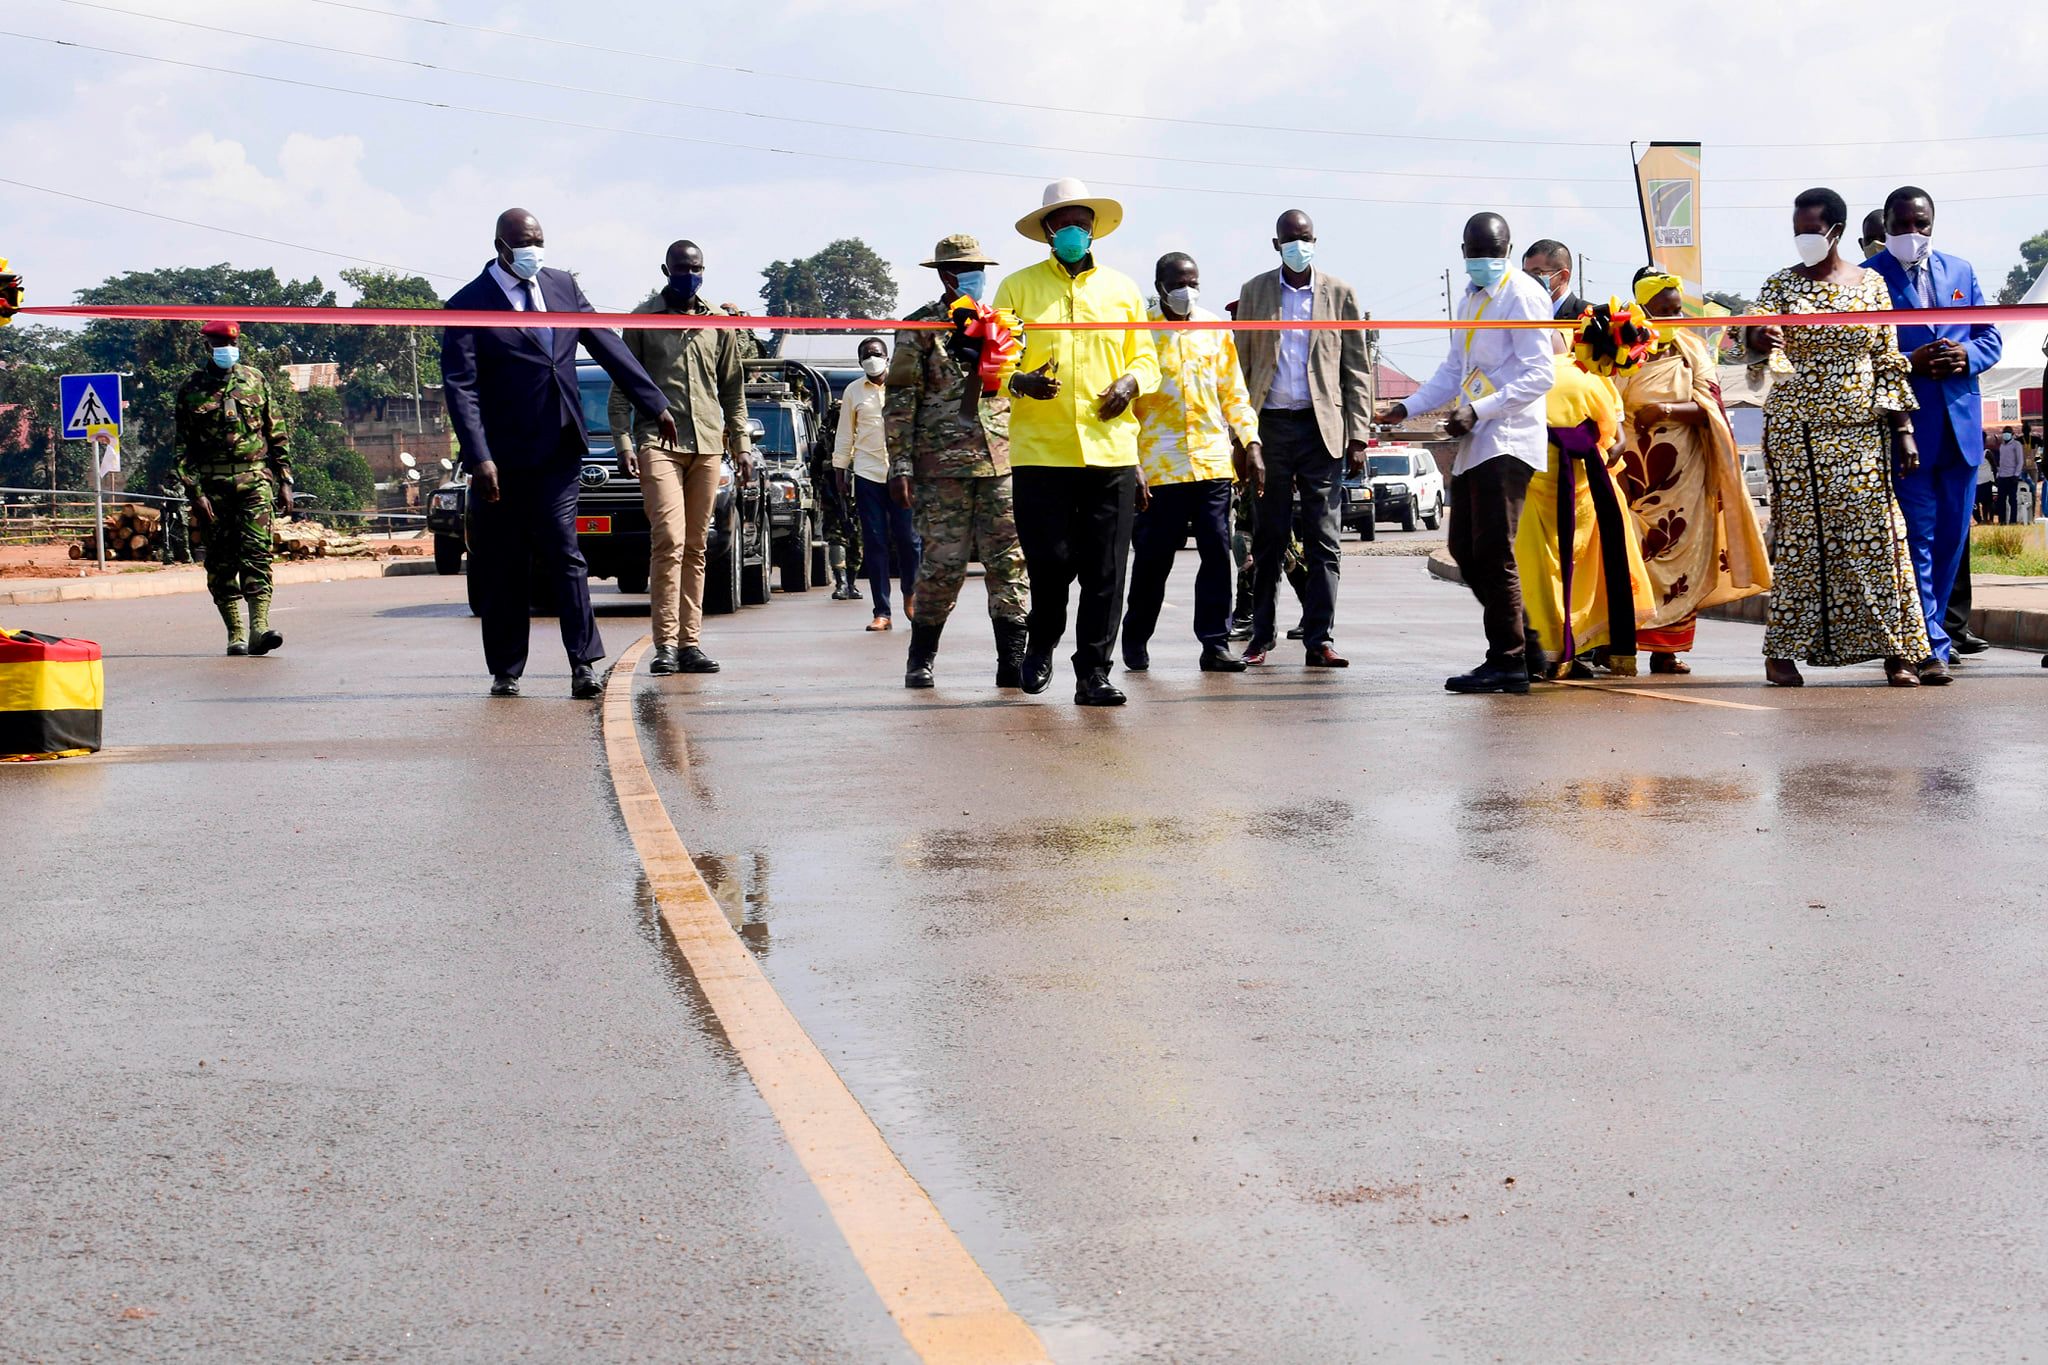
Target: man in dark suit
(1949, 426)
(1549, 262)
(518, 418)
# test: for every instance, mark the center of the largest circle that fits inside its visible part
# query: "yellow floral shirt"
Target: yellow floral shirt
(1184, 429)
(1064, 431)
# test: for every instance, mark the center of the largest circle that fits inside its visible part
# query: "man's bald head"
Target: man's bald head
(684, 256)
(1486, 236)
(1294, 226)
(517, 227)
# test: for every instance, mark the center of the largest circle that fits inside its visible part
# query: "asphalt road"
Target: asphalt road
(1289, 1017)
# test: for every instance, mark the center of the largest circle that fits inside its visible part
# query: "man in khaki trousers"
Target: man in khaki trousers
(700, 370)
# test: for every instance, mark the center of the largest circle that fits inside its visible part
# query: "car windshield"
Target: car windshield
(778, 433)
(1381, 466)
(595, 388)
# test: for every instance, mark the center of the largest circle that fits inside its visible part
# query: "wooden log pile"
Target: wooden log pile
(133, 531)
(311, 540)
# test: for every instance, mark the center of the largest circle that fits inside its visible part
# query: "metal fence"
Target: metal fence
(38, 516)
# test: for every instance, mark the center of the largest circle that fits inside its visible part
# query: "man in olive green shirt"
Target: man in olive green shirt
(701, 371)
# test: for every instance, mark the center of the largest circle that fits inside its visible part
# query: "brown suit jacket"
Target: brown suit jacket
(1339, 375)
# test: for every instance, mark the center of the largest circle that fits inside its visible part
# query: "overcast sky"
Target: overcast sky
(1535, 106)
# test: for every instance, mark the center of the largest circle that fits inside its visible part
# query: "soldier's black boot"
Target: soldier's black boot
(924, 647)
(1010, 636)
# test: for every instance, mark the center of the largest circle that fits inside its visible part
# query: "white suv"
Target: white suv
(1406, 486)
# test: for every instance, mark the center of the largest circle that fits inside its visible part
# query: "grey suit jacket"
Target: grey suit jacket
(1339, 376)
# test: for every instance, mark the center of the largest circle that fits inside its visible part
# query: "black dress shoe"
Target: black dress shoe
(1490, 678)
(1934, 673)
(583, 684)
(690, 659)
(1241, 628)
(1137, 660)
(665, 661)
(1221, 661)
(504, 685)
(263, 641)
(1969, 642)
(1296, 633)
(1095, 689)
(1037, 672)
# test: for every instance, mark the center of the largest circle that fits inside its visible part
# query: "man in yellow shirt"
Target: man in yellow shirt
(1073, 435)
(1185, 458)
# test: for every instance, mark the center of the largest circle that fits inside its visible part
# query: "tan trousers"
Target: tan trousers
(680, 487)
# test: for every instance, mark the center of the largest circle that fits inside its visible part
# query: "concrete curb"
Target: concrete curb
(2006, 627)
(164, 582)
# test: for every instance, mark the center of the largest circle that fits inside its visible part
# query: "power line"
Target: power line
(874, 88)
(99, 203)
(843, 126)
(839, 158)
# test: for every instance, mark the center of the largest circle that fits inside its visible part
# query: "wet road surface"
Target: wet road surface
(1293, 1016)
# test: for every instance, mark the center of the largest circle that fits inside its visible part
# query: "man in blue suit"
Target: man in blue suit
(1949, 427)
(518, 418)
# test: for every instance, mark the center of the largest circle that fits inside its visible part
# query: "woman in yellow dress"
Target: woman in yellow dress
(1576, 542)
(1699, 534)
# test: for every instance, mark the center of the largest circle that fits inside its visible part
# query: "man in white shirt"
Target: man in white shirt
(1499, 378)
(861, 457)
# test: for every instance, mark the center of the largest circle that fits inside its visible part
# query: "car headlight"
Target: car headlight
(1396, 490)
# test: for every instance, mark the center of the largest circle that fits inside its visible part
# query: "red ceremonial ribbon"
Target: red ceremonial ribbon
(669, 322)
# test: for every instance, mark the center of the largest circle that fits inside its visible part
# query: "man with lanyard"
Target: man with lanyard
(1948, 427)
(1185, 448)
(1499, 379)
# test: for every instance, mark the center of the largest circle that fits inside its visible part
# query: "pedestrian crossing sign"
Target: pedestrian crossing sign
(87, 401)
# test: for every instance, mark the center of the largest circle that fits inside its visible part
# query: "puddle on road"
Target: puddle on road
(1830, 793)
(1123, 837)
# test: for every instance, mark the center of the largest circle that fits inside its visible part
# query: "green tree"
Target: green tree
(31, 358)
(2033, 256)
(157, 357)
(324, 464)
(845, 280)
(377, 363)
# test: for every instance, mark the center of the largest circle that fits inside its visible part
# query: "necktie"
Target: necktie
(543, 335)
(1925, 284)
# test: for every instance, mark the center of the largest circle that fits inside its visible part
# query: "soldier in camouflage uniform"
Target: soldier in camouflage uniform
(235, 464)
(953, 441)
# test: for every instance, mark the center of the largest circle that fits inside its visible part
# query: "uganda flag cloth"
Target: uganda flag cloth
(51, 695)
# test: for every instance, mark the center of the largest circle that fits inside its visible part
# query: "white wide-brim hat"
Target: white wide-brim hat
(1071, 193)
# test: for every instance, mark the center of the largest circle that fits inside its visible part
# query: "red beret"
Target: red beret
(228, 330)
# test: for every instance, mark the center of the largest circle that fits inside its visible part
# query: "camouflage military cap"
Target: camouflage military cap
(962, 248)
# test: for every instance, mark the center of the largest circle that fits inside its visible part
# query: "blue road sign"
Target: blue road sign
(88, 400)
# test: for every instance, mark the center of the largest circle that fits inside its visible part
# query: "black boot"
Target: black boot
(924, 647)
(1010, 637)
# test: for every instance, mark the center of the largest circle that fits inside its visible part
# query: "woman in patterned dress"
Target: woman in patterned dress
(1835, 431)
(1683, 478)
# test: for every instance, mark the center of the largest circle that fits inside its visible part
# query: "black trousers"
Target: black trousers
(1075, 526)
(2009, 499)
(1956, 620)
(533, 519)
(1298, 464)
(1202, 505)
(1486, 507)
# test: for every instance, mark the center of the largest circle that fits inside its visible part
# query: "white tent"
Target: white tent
(2019, 367)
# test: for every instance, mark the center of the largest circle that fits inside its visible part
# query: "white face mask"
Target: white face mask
(1182, 300)
(1813, 247)
(874, 367)
(1908, 248)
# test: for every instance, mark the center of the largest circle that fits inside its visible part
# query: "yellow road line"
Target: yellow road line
(945, 1305)
(1661, 695)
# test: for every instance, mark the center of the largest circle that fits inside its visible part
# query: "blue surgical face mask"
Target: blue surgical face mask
(1070, 243)
(1487, 271)
(972, 283)
(686, 284)
(226, 356)
(526, 261)
(1298, 254)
